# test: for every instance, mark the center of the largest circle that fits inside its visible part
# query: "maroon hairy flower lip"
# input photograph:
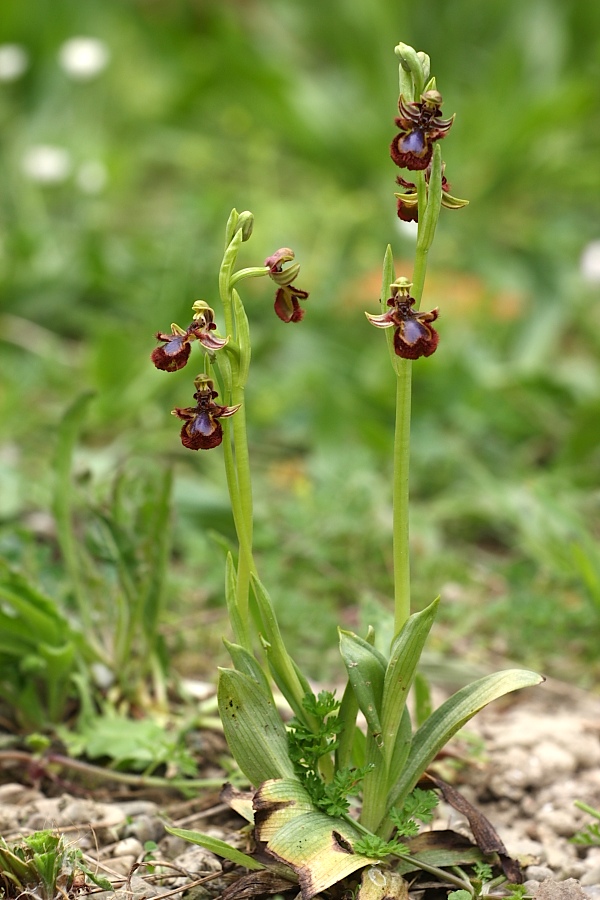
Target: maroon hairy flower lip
(174, 354)
(414, 336)
(286, 303)
(201, 429)
(420, 125)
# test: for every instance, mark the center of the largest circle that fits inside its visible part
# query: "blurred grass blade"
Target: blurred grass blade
(156, 514)
(253, 728)
(219, 848)
(62, 504)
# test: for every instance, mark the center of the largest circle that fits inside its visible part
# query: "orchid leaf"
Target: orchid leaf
(450, 717)
(404, 659)
(317, 847)
(253, 728)
(219, 848)
(366, 672)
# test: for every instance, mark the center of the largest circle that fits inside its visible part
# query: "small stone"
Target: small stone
(17, 794)
(121, 865)
(136, 889)
(128, 847)
(591, 877)
(538, 873)
(196, 860)
(145, 828)
(558, 820)
(172, 846)
(560, 890)
(133, 808)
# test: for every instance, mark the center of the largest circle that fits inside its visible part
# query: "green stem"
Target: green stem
(236, 456)
(420, 267)
(401, 553)
(253, 272)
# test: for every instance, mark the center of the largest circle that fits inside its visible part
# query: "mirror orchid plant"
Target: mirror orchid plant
(304, 770)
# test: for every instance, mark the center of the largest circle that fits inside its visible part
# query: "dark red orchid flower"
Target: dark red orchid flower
(201, 429)
(287, 298)
(175, 352)
(414, 335)
(420, 126)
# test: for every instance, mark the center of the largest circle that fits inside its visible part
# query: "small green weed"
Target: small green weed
(43, 866)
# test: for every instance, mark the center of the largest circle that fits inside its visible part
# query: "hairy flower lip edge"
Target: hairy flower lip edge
(424, 342)
(199, 329)
(205, 411)
(422, 118)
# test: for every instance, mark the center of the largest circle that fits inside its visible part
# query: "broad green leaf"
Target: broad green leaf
(244, 662)
(347, 714)
(402, 746)
(366, 672)
(253, 728)
(450, 717)
(404, 658)
(316, 846)
(219, 848)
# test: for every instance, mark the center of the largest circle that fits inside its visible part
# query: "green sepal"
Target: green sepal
(425, 66)
(451, 202)
(219, 848)
(366, 672)
(449, 718)
(434, 201)
(253, 728)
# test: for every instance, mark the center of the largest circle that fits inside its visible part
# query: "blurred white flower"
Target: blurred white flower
(91, 176)
(83, 58)
(47, 164)
(590, 263)
(13, 61)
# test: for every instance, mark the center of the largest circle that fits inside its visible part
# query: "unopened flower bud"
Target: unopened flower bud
(245, 224)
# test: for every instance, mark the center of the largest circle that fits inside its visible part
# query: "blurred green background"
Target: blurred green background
(120, 161)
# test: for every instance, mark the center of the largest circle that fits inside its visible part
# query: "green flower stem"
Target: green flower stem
(400, 494)
(429, 210)
(237, 464)
(442, 874)
(253, 272)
